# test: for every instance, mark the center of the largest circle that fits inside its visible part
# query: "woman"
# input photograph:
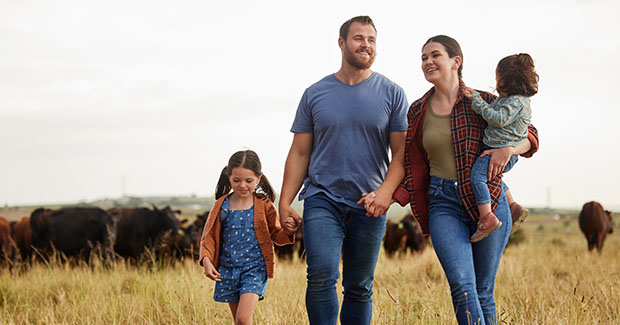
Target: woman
(443, 140)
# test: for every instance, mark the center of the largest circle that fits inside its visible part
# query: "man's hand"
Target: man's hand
(376, 203)
(289, 219)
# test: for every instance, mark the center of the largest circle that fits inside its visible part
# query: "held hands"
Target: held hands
(499, 159)
(210, 271)
(289, 219)
(291, 225)
(376, 202)
(468, 92)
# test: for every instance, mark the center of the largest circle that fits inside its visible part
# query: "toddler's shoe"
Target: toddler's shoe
(486, 225)
(519, 214)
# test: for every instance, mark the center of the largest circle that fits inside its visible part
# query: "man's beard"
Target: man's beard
(356, 62)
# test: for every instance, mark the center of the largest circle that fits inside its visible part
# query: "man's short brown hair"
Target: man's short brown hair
(344, 29)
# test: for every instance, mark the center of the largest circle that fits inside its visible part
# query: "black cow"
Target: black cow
(406, 234)
(72, 231)
(595, 223)
(184, 243)
(139, 229)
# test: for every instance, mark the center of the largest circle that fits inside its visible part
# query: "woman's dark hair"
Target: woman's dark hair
(247, 159)
(452, 47)
(517, 76)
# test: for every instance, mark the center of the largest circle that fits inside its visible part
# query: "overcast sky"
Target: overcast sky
(104, 98)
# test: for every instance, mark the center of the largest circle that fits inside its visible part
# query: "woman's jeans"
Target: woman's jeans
(471, 268)
(332, 229)
(479, 177)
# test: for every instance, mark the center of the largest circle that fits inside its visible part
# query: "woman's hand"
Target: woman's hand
(499, 159)
(210, 270)
(376, 203)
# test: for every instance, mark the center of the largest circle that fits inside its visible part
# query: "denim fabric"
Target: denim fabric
(479, 177)
(239, 280)
(332, 229)
(470, 268)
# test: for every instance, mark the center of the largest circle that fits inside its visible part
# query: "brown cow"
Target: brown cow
(402, 235)
(22, 235)
(7, 246)
(595, 223)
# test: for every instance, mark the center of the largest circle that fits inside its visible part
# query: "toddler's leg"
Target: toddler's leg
(487, 222)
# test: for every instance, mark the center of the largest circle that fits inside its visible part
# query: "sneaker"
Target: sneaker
(519, 214)
(486, 225)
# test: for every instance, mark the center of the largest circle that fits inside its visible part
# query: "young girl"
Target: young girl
(507, 117)
(236, 247)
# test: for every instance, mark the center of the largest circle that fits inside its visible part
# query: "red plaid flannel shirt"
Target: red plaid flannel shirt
(467, 130)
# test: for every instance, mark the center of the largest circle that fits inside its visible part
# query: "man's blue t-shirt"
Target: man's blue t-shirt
(351, 128)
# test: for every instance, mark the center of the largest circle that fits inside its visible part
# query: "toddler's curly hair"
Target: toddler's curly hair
(517, 76)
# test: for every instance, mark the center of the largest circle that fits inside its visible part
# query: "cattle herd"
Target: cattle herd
(133, 233)
(77, 233)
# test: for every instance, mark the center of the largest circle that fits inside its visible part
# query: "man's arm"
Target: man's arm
(395, 174)
(295, 171)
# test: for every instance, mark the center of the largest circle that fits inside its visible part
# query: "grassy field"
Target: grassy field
(548, 278)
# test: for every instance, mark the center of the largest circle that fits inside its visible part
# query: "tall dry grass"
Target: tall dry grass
(549, 278)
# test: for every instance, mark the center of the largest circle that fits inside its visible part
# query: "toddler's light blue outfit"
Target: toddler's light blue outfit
(507, 121)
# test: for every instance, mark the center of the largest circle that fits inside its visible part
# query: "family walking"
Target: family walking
(358, 147)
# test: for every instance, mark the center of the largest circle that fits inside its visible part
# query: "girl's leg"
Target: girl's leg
(245, 309)
(233, 309)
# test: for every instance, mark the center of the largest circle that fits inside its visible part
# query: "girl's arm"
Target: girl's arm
(498, 115)
(279, 235)
(210, 270)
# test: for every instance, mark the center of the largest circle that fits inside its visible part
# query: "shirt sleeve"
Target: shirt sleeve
(303, 122)
(398, 118)
(500, 112)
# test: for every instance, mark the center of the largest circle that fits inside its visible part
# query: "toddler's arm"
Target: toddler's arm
(468, 92)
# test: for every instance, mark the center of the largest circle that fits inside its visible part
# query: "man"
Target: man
(344, 128)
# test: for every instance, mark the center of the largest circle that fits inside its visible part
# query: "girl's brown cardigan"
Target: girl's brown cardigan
(266, 226)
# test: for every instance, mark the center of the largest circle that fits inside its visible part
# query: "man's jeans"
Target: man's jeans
(471, 268)
(331, 228)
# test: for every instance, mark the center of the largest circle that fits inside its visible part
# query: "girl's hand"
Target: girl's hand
(468, 92)
(499, 159)
(291, 225)
(210, 270)
(286, 213)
